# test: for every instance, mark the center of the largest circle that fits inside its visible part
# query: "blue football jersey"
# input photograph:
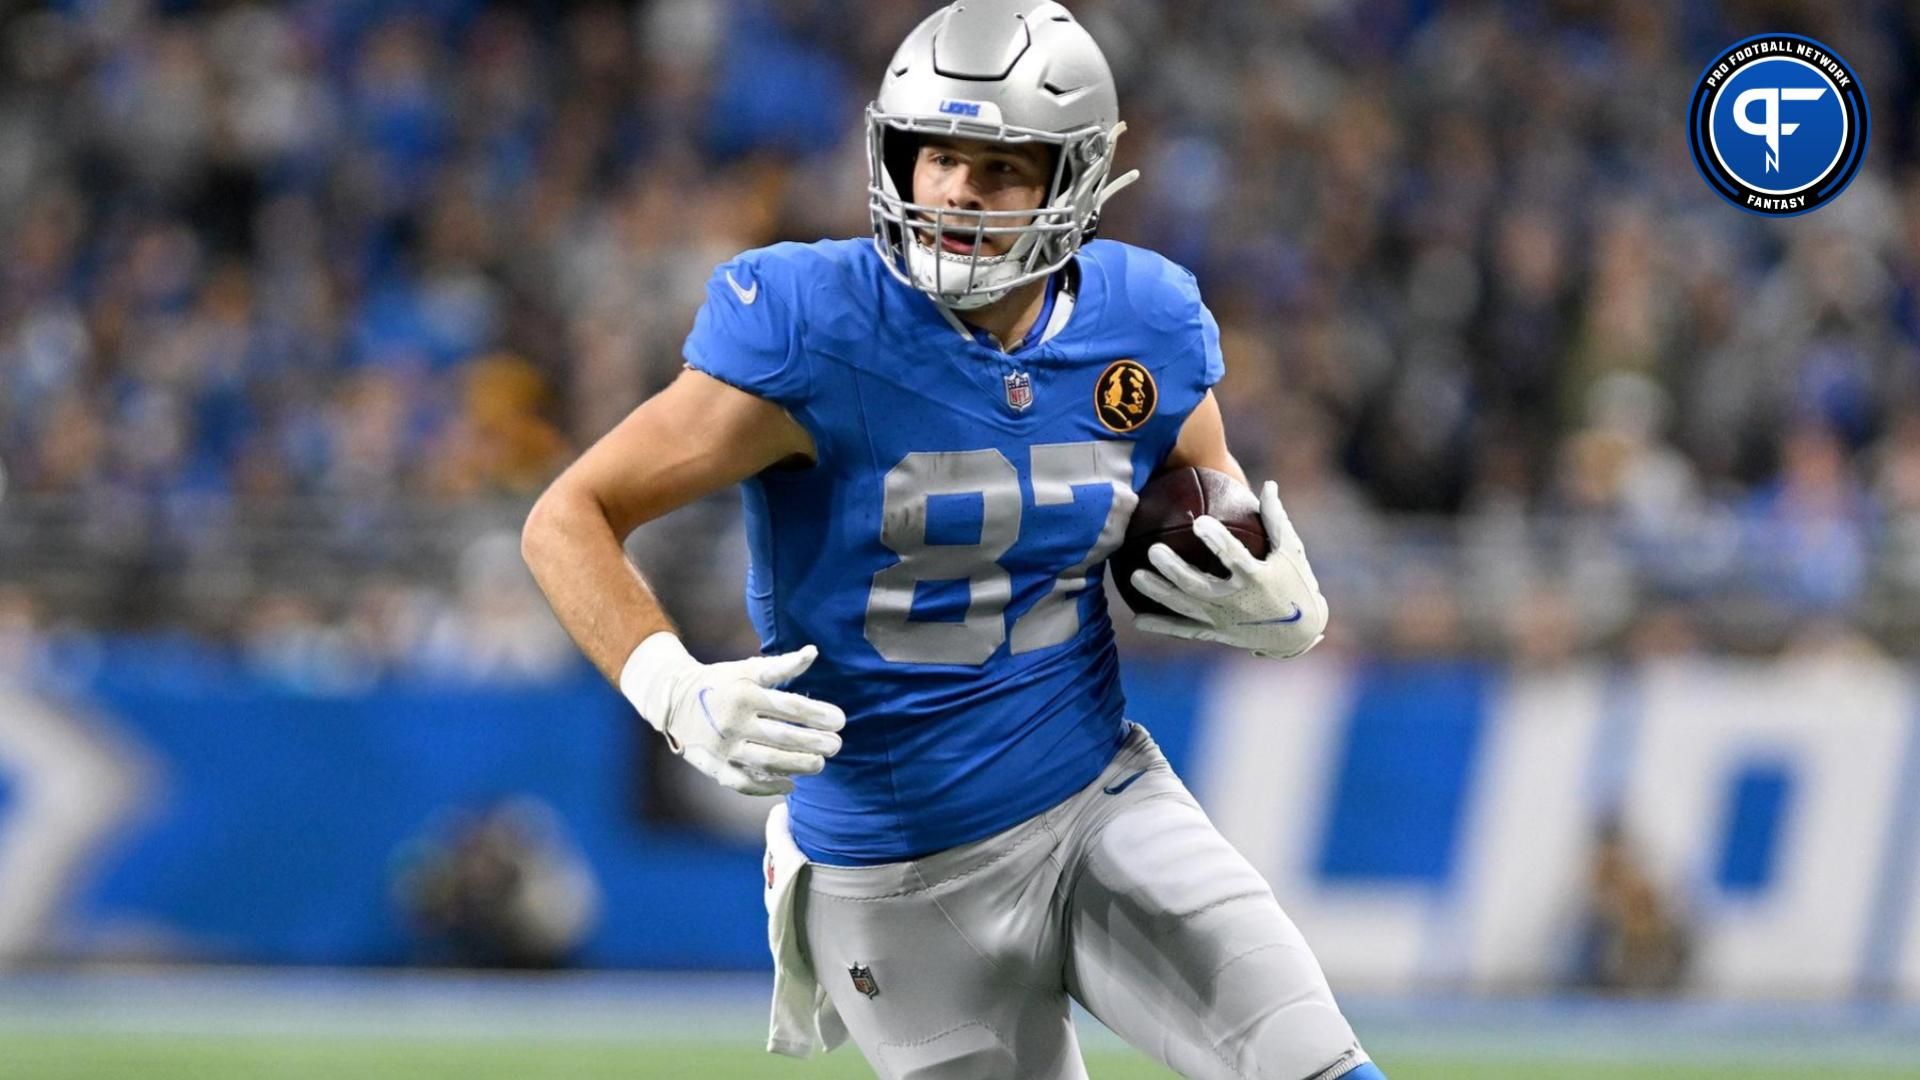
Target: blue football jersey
(945, 551)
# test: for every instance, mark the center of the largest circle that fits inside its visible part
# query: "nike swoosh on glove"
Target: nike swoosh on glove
(729, 720)
(1271, 606)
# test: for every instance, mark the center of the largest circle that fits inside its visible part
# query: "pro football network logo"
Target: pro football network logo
(1124, 396)
(1778, 124)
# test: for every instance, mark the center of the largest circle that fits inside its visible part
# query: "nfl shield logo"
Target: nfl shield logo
(1019, 390)
(863, 980)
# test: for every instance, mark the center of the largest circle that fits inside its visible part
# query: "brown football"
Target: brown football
(1168, 505)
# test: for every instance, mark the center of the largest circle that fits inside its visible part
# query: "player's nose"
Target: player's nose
(961, 193)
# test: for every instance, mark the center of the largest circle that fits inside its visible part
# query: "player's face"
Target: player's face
(973, 175)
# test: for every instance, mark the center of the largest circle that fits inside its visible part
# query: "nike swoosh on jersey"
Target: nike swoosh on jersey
(1124, 784)
(747, 296)
(1295, 617)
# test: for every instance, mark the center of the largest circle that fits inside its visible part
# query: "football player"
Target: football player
(940, 432)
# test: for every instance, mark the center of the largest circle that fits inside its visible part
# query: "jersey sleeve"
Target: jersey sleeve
(748, 332)
(1181, 339)
(1207, 340)
(1190, 336)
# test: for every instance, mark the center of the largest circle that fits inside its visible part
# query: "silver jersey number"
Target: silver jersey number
(1057, 469)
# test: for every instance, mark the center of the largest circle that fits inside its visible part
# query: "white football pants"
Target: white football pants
(959, 966)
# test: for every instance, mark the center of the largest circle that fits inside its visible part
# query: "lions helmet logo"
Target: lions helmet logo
(1124, 397)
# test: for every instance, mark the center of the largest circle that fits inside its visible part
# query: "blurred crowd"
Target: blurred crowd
(392, 260)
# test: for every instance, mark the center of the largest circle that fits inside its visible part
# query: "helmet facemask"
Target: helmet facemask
(906, 233)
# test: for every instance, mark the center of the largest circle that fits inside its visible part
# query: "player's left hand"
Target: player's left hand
(1271, 606)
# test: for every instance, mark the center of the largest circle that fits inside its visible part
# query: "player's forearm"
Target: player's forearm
(579, 562)
(1203, 442)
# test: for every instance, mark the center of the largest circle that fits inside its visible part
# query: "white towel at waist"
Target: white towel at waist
(803, 1019)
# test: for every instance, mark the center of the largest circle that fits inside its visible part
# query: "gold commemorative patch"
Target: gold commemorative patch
(1124, 396)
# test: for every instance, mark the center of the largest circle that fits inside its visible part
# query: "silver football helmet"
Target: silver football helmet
(1014, 71)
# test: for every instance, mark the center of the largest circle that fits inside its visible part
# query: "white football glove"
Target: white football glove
(1272, 606)
(727, 719)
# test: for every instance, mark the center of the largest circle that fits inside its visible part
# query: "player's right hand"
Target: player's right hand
(729, 720)
(1271, 606)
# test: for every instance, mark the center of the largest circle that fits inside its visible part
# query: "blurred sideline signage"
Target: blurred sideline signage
(1434, 824)
(1428, 824)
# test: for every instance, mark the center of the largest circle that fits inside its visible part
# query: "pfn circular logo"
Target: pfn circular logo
(1779, 124)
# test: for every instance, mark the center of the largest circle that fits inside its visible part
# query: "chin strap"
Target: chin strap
(952, 319)
(1112, 187)
(1117, 184)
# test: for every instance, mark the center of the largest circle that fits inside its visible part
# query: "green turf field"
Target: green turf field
(270, 1024)
(112, 1057)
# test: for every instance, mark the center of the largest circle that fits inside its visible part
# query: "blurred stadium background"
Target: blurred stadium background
(1611, 769)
